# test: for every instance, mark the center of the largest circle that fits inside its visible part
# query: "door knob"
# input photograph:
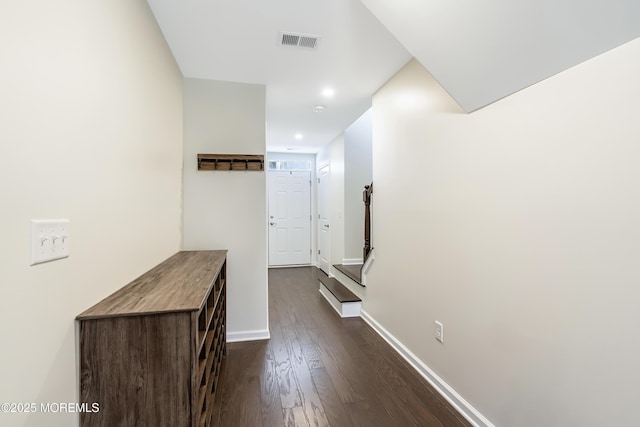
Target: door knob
(273, 223)
(326, 225)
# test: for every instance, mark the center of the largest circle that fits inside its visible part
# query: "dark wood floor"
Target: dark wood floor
(320, 370)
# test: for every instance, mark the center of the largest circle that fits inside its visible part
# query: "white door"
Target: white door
(289, 218)
(324, 235)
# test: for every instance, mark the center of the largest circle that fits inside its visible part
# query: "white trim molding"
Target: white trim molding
(351, 261)
(293, 265)
(248, 336)
(458, 402)
(350, 284)
(367, 265)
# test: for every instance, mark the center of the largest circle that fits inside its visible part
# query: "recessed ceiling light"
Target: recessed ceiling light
(328, 92)
(298, 136)
(318, 109)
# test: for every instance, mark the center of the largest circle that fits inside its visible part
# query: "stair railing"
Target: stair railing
(366, 196)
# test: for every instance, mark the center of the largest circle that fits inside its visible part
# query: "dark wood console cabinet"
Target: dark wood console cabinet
(151, 353)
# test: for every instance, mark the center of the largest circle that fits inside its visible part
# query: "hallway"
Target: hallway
(320, 370)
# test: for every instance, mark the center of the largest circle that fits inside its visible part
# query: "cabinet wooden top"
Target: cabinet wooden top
(181, 283)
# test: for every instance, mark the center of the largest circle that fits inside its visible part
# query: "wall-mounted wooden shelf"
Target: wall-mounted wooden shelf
(230, 162)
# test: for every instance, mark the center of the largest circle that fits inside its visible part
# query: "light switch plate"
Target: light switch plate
(49, 240)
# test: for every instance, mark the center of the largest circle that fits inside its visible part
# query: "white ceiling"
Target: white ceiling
(479, 51)
(237, 40)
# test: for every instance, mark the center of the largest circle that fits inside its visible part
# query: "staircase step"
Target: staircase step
(339, 291)
(343, 301)
(351, 271)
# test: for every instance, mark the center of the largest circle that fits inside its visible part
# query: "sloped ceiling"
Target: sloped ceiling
(482, 51)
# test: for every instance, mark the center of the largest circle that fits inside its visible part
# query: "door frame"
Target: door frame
(270, 174)
(312, 168)
(319, 225)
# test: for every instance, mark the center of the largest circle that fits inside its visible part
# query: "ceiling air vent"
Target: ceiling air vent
(298, 40)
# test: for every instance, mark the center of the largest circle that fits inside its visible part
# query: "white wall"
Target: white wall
(227, 210)
(333, 154)
(518, 227)
(357, 173)
(90, 130)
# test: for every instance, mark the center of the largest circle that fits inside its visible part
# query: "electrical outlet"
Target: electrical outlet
(439, 331)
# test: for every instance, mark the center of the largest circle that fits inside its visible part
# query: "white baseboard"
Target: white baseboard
(345, 309)
(248, 336)
(291, 265)
(462, 406)
(351, 261)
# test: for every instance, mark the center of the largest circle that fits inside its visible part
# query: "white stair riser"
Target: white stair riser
(345, 309)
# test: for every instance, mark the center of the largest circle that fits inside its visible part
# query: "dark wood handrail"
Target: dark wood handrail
(366, 196)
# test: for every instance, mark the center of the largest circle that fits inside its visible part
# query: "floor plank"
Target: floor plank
(240, 403)
(369, 413)
(335, 410)
(272, 415)
(320, 370)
